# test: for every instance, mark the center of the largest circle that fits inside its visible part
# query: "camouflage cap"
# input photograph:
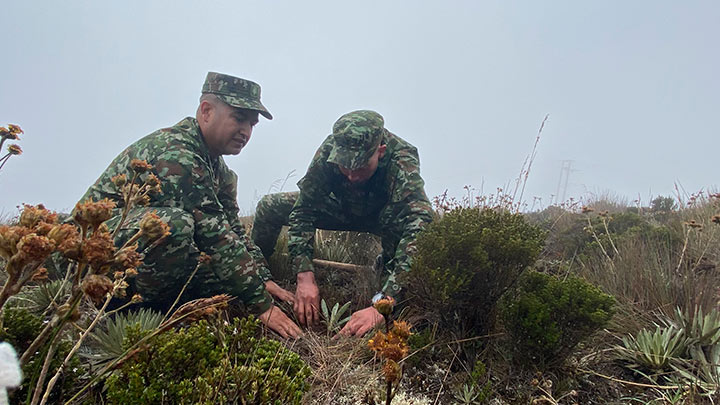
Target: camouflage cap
(235, 92)
(356, 136)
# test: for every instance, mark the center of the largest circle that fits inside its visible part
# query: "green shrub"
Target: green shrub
(20, 326)
(211, 363)
(546, 317)
(465, 261)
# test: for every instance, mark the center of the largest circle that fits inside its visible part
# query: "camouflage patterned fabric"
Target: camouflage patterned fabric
(356, 136)
(199, 200)
(391, 204)
(236, 92)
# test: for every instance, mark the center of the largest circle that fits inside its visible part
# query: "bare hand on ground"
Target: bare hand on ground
(361, 322)
(279, 292)
(307, 299)
(275, 319)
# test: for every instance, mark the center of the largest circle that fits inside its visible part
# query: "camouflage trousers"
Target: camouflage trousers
(273, 212)
(168, 263)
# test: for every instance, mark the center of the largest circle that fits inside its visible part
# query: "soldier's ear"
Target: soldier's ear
(206, 110)
(381, 151)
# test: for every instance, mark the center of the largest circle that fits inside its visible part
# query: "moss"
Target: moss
(211, 363)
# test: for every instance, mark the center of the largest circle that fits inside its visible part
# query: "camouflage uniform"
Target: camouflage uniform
(391, 204)
(199, 202)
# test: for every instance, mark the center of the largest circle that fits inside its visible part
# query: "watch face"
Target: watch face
(377, 297)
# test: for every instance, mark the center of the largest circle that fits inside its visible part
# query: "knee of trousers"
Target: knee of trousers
(275, 208)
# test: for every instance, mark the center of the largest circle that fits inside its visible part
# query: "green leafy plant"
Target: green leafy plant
(465, 261)
(702, 329)
(547, 317)
(477, 389)
(653, 350)
(334, 318)
(702, 369)
(110, 340)
(40, 297)
(216, 362)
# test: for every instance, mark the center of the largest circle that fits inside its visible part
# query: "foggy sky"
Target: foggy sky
(631, 89)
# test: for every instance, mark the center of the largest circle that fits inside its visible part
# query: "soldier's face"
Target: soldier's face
(363, 174)
(227, 129)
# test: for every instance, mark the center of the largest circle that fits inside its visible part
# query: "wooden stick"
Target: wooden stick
(341, 266)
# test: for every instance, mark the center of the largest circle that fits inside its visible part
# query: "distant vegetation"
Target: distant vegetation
(594, 303)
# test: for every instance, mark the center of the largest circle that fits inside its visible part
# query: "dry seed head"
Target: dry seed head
(131, 272)
(31, 216)
(98, 249)
(14, 149)
(34, 247)
(60, 233)
(586, 210)
(153, 227)
(120, 288)
(202, 308)
(119, 180)
(9, 238)
(128, 257)
(118, 275)
(94, 213)
(15, 130)
(142, 200)
(136, 299)
(140, 166)
(96, 287)
(70, 247)
(152, 180)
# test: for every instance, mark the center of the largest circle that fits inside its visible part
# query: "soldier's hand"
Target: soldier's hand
(279, 292)
(276, 320)
(361, 322)
(307, 299)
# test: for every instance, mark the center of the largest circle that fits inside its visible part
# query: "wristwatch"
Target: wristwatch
(377, 297)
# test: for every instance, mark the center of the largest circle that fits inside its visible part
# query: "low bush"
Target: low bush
(465, 261)
(546, 317)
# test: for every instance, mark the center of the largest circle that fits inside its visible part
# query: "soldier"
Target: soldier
(362, 178)
(198, 198)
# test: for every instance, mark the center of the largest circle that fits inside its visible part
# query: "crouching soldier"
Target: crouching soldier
(197, 196)
(362, 178)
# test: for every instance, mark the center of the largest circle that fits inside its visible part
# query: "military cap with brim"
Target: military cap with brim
(236, 92)
(356, 137)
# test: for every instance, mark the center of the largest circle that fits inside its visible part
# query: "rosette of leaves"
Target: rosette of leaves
(109, 341)
(653, 350)
(334, 317)
(465, 261)
(210, 363)
(546, 317)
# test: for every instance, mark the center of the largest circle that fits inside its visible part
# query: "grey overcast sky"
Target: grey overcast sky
(631, 87)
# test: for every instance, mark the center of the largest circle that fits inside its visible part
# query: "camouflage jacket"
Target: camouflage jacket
(207, 189)
(392, 204)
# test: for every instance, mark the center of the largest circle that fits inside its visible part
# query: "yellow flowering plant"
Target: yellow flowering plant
(391, 346)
